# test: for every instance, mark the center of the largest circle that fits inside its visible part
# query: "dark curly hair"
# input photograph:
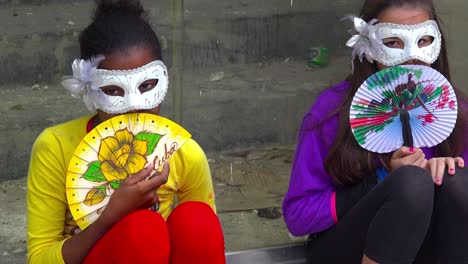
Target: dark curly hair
(118, 25)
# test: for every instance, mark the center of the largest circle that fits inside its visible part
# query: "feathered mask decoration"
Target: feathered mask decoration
(81, 79)
(364, 42)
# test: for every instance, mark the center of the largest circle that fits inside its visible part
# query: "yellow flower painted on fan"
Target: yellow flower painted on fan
(122, 155)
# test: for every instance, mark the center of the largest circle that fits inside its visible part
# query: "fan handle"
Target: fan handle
(406, 128)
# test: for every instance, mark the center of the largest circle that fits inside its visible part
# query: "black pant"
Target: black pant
(403, 219)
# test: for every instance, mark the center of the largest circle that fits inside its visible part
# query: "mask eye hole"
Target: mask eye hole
(425, 41)
(394, 43)
(148, 85)
(113, 90)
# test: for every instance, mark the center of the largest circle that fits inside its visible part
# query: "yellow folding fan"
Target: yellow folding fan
(116, 148)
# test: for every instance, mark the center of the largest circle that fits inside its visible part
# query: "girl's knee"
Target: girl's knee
(145, 224)
(454, 188)
(195, 229)
(133, 239)
(413, 186)
(142, 220)
(192, 216)
(413, 177)
(460, 178)
(192, 206)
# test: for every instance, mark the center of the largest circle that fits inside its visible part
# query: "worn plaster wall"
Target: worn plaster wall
(245, 80)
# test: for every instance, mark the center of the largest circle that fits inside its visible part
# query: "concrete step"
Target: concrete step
(286, 254)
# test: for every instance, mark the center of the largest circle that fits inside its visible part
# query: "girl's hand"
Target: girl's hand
(408, 156)
(137, 191)
(436, 166)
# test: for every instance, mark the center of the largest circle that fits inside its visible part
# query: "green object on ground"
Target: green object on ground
(318, 57)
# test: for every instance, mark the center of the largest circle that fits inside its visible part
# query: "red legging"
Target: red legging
(192, 234)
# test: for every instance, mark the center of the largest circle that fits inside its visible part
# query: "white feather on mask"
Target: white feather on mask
(363, 43)
(81, 79)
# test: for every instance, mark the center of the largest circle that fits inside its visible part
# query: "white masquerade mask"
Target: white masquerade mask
(89, 86)
(369, 42)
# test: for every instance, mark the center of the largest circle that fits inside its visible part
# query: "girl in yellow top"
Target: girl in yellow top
(121, 71)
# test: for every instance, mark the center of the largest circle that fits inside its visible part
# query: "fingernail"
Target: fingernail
(438, 180)
(451, 169)
(411, 149)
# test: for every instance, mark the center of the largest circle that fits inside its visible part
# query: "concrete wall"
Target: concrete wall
(216, 33)
(245, 81)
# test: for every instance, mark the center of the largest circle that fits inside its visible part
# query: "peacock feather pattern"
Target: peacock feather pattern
(420, 90)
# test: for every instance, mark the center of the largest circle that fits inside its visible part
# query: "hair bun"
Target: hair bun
(119, 7)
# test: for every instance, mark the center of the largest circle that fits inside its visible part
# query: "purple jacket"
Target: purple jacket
(309, 204)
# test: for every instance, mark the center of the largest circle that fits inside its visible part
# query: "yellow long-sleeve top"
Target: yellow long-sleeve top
(47, 209)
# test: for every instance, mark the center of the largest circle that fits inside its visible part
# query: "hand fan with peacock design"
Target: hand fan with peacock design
(410, 105)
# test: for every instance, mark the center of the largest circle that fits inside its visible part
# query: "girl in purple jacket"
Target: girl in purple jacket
(408, 206)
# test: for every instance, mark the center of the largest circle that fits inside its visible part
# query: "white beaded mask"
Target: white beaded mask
(129, 81)
(410, 35)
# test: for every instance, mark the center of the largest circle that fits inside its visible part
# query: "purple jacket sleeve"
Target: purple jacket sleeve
(308, 205)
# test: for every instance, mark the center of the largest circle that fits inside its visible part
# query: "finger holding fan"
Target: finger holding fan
(113, 150)
(407, 105)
